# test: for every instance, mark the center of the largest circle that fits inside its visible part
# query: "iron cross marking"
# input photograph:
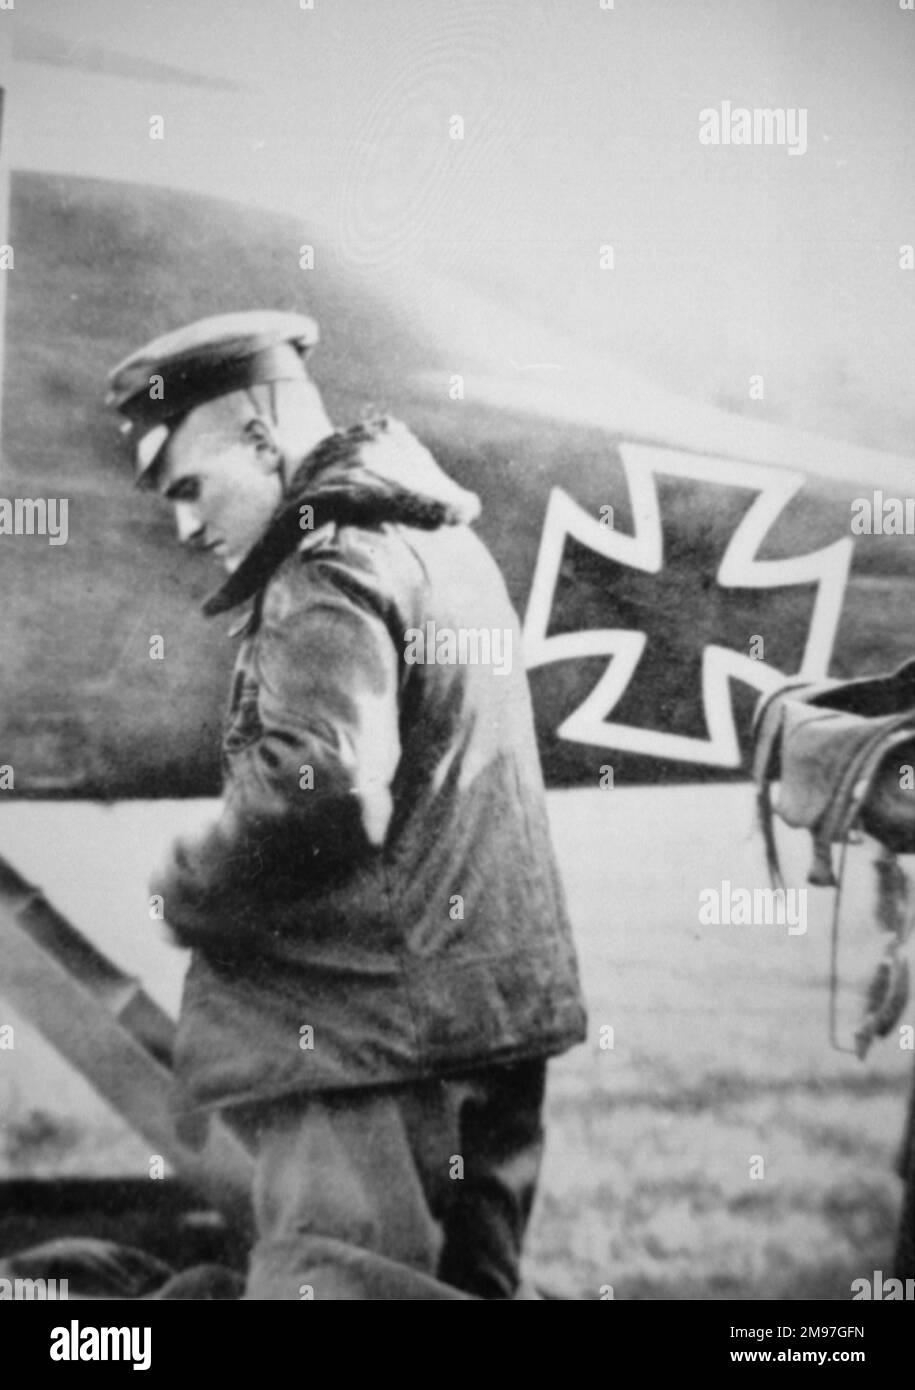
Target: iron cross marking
(685, 602)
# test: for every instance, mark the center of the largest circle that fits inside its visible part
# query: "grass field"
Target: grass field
(720, 1054)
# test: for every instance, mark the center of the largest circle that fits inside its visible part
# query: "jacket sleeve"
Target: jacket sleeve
(310, 794)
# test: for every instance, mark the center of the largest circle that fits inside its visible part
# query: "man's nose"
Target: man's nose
(187, 522)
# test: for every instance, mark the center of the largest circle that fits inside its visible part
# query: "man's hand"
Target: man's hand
(166, 875)
(197, 908)
(169, 882)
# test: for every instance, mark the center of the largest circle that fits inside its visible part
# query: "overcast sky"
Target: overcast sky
(580, 130)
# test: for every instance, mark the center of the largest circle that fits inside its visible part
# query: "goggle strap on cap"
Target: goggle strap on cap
(149, 447)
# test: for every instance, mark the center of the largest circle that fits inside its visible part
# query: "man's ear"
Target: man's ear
(258, 433)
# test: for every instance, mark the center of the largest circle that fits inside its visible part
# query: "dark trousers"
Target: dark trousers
(413, 1192)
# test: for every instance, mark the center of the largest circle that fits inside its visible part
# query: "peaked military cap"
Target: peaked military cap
(156, 386)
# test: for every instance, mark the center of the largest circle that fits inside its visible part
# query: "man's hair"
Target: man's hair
(290, 408)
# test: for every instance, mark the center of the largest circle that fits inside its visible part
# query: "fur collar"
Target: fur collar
(374, 472)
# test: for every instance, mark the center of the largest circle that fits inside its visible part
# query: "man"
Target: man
(381, 958)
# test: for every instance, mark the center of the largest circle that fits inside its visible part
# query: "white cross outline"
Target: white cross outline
(739, 568)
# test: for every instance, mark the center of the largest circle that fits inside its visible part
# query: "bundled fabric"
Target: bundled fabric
(825, 743)
(835, 748)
